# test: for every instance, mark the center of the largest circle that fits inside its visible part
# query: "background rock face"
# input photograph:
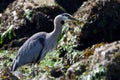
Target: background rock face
(102, 22)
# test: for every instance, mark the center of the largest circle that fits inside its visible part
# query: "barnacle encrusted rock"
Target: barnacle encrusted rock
(109, 57)
(105, 62)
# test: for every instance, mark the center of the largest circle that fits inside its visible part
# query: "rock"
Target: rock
(105, 54)
(109, 57)
(56, 72)
(100, 22)
(5, 74)
(61, 78)
(44, 77)
(105, 63)
(76, 69)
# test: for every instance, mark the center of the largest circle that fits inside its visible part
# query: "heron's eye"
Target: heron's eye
(62, 22)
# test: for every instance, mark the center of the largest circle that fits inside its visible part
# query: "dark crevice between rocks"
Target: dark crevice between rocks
(56, 73)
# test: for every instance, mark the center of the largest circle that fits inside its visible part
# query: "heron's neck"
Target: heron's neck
(57, 29)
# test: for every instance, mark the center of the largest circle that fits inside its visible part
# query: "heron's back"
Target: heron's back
(30, 51)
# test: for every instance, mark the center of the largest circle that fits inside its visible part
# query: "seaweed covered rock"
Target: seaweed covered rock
(109, 57)
(6, 75)
(103, 64)
(24, 18)
(101, 22)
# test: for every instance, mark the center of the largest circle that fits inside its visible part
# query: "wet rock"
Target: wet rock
(100, 22)
(104, 63)
(61, 78)
(5, 74)
(62, 52)
(57, 72)
(106, 53)
(90, 50)
(76, 69)
(109, 57)
(44, 77)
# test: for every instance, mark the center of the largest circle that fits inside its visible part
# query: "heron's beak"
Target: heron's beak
(73, 19)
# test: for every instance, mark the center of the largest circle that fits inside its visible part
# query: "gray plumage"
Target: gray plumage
(36, 47)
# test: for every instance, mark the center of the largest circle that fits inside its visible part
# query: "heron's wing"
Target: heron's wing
(42, 42)
(30, 51)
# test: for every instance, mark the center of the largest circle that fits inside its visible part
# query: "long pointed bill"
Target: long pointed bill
(73, 19)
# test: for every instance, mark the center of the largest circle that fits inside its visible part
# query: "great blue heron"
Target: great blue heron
(36, 47)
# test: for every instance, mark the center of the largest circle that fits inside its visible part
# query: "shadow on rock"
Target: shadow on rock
(4, 4)
(70, 6)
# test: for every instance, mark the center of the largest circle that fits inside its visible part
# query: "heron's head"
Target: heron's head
(64, 17)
